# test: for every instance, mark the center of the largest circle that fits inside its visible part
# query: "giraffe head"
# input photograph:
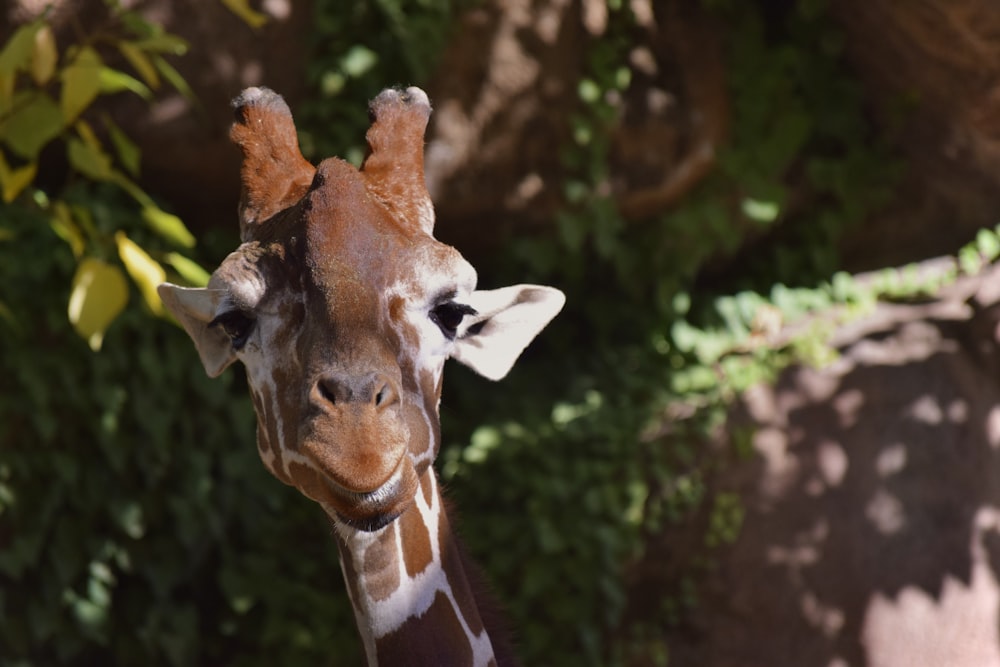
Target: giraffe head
(343, 308)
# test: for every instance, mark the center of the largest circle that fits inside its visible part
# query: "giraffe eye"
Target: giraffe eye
(448, 315)
(237, 324)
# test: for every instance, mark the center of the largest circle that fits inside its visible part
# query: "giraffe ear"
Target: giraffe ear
(507, 320)
(195, 308)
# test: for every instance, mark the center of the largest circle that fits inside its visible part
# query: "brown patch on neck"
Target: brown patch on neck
(416, 538)
(380, 570)
(436, 638)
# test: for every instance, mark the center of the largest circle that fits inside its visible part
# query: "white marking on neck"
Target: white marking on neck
(415, 594)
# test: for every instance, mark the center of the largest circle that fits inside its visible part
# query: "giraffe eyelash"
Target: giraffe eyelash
(448, 315)
(237, 324)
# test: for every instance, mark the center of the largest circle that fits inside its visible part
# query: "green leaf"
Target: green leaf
(760, 211)
(17, 52)
(969, 260)
(128, 152)
(98, 295)
(988, 244)
(35, 121)
(65, 228)
(7, 316)
(134, 190)
(163, 43)
(141, 62)
(115, 81)
(189, 269)
(144, 270)
(168, 226)
(358, 61)
(588, 91)
(242, 8)
(81, 83)
(89, 159)
(174, 78)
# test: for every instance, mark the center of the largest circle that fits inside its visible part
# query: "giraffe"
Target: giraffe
(343, 308)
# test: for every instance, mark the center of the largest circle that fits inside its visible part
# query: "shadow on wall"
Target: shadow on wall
(872, 529)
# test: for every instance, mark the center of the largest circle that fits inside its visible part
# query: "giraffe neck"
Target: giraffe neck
(411, 595)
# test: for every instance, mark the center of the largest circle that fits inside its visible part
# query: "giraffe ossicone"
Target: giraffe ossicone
(343, 308)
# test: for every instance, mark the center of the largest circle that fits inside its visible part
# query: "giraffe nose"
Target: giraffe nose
(373, 389)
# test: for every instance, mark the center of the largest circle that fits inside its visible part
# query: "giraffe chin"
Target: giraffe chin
(369, 524)
(372, 511)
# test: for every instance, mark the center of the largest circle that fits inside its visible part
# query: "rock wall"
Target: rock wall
(872, 528)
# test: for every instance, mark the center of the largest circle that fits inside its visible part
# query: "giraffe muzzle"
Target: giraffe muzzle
(371, 389)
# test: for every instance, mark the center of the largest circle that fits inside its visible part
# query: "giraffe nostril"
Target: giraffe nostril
(327, 391)
(385, 396)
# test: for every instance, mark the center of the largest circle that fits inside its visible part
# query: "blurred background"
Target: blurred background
(764, 418)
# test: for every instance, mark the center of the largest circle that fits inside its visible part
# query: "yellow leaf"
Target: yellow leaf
(81, 83)
(189, 269)
(13, 181)
(44, 56)
(98, 295)
(145, 271)
(168, 226)
(141, 63)
(16, 180)
(6, 92)
(86, 133)
(242, 8)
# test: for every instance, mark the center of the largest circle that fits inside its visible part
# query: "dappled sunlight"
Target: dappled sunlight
(886, 512)
(958, 626)
(872, 530)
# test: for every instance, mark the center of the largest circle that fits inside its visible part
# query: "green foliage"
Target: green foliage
(130, 520)
(45, 95)
(134, 512)
(357, 50)
(598, 441)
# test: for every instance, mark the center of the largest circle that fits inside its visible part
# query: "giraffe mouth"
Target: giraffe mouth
(369, 524)
(372, 510)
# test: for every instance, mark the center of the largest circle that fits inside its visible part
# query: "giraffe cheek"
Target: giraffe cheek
(274, 463)
(309, 482)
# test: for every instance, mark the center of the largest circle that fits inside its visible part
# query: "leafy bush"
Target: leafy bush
(598, 442)
(134, 515)
(120, 542)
